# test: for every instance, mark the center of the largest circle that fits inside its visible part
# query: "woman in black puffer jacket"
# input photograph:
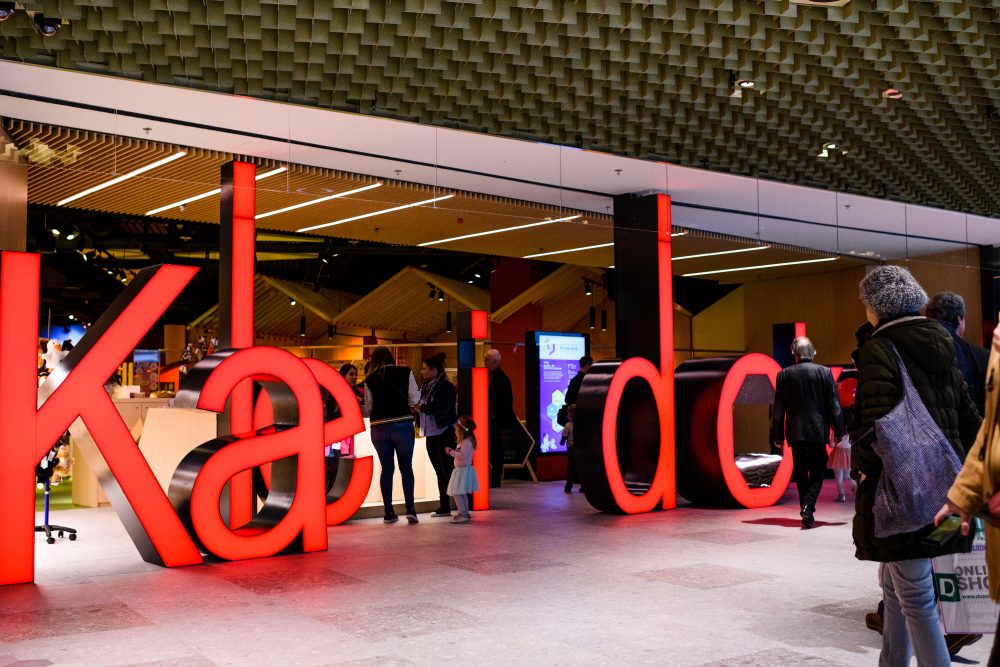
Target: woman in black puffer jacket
(893, 298)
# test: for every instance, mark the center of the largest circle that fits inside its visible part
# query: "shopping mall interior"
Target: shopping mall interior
(678, 190)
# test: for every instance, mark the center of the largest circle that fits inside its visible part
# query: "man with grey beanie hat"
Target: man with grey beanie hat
(901, 341)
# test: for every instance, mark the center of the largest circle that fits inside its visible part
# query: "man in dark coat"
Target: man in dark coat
(948, 309)
(572, 394)
(805, 408)
(573, 391)
(501, 410)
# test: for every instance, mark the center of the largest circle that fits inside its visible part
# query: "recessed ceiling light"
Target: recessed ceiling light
(374, 213)
(182, 203)
(498, 231)
(318, 201)
(832, 146)
(892, 93)
(568, 250)
(746, 84)
(116, 181)
(759, 267)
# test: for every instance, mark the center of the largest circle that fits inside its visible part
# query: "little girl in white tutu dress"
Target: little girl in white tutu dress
(463, 478)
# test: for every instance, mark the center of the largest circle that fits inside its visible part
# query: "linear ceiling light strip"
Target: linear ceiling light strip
(374, 213)
(561, 252)
(318, 201)
(721, 252)
(498, 231)
(124, 177)
(258, 177)
(760, 266)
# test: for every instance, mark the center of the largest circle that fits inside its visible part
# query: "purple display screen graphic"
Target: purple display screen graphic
(558, 361)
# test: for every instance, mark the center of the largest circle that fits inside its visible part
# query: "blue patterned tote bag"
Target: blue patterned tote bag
(918, 464)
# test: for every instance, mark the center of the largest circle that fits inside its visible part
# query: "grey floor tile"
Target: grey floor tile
(705, 576)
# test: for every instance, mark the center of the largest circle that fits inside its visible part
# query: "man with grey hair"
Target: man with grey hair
(948, 309)
(805, 408)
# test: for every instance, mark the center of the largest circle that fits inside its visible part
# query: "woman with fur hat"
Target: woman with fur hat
(906, 348)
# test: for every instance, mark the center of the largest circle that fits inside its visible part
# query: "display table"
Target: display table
(86, 491)
(165, 435)
(424, 479)
(169, 434)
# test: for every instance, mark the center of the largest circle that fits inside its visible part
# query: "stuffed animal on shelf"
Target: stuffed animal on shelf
(53, 354)
(64, 467)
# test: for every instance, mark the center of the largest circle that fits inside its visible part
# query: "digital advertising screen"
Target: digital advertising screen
(558, 361)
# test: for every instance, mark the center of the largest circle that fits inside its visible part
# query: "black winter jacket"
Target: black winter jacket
(805, 405)
(929, 354)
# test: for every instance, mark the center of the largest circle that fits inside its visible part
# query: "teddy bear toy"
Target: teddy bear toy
(64, 467)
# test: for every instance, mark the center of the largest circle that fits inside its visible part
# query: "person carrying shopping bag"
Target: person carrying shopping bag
(917, 423)
(976, 490)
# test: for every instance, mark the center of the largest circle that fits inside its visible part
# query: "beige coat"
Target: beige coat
(979, 479)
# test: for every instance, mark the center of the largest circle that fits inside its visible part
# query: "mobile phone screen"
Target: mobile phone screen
(947, 530)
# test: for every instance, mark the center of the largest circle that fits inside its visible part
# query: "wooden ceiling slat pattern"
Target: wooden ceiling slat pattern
(403, 304)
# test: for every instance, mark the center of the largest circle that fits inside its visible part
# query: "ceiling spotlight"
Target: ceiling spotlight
(746, 84)
(440, 295)
(72, 317)
(478, 276)
(55, 232)
(71, 236)
(471, 282)
(83, 254)
(832, 146)
(6, 10)
(892, 93)
(291, 301)
(47, 26)
(587, 289)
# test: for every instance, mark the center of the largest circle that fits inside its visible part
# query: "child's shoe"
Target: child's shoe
(461, 518)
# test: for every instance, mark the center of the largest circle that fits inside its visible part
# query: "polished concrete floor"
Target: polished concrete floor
(541, 580)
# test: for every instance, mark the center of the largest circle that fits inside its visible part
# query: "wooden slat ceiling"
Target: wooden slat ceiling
(64, 162)
(275, 317)
(403, 303)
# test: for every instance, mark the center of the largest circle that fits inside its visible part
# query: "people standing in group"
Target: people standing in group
(501, 413)
(393, 392)
(572, 394)
(437, 424)
(948, 309)
(906, 358)
(805, 409)
(463, 477)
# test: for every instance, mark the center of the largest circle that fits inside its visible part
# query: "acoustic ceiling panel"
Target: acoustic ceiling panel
(643, 79)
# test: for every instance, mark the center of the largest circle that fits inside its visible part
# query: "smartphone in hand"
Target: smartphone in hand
(944, 533)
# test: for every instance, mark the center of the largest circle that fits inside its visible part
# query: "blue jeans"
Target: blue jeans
(395, 438)
(911, 616)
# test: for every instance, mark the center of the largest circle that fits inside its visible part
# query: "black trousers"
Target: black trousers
(809, 468)
(496, 456)
(572, 477)
(442, 462)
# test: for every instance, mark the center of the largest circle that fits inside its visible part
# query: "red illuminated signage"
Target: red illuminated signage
(176, 530)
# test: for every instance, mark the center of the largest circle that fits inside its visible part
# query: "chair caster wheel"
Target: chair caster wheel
(50, 540)
(61, 534)
(72, 537)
